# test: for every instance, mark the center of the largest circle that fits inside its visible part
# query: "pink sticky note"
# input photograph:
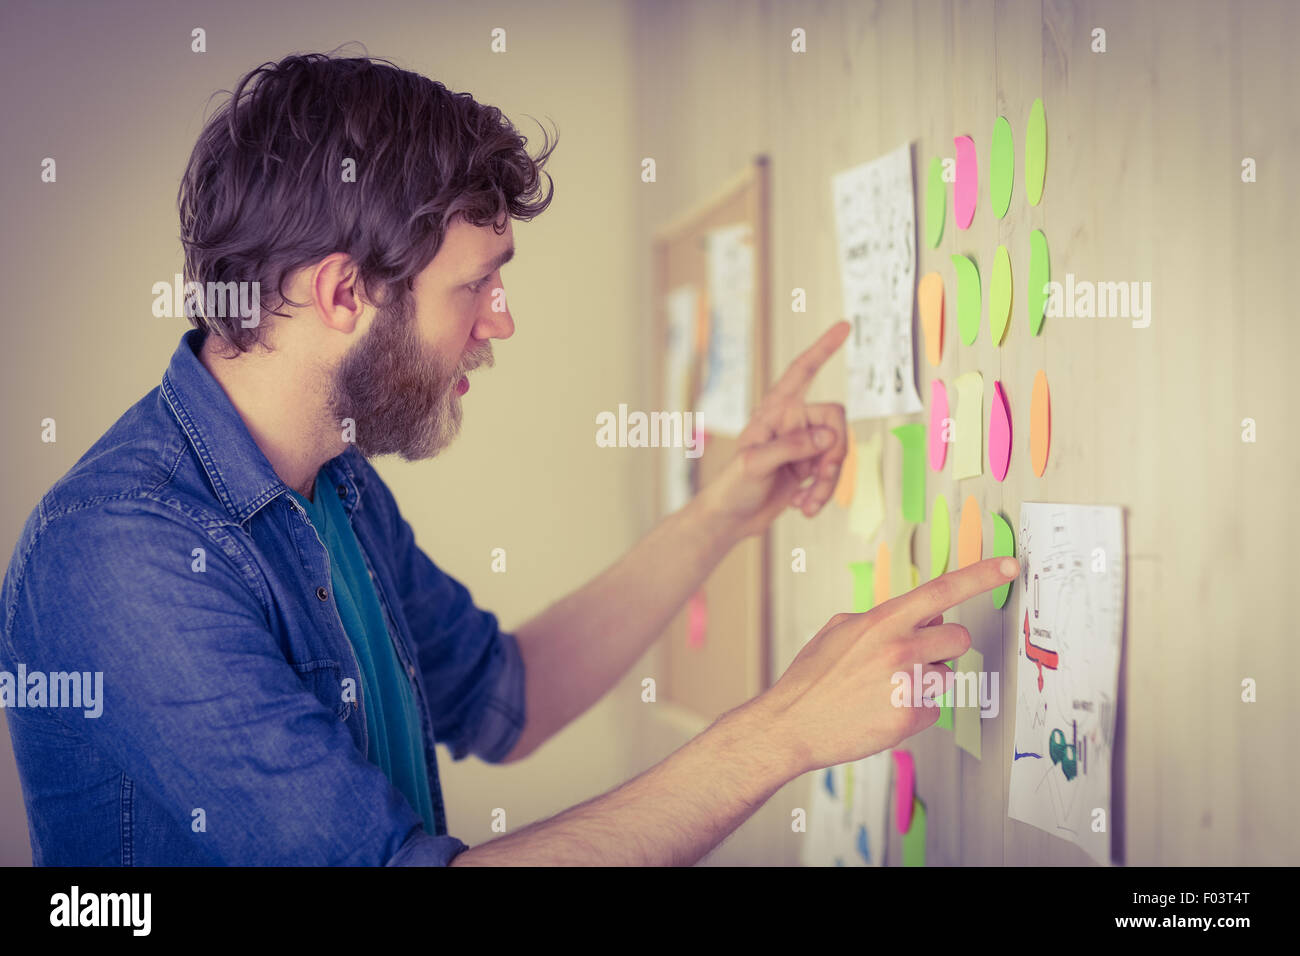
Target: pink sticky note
(697, 619)
(935, 434)
(904, 787)
(999, 433)
(967, 184)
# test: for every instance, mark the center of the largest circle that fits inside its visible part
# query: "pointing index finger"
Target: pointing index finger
(803, 369)
(949, 590)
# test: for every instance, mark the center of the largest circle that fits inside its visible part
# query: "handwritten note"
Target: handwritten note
(875, 226)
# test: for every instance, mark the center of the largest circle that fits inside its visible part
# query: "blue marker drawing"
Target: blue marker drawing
(862, 843)
(830, 783)
(1019, 754)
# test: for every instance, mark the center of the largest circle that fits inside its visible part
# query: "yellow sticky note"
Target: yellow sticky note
(868, 508)
(966, 713)
(968, 426)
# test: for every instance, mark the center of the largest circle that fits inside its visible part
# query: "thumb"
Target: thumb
(762, 460)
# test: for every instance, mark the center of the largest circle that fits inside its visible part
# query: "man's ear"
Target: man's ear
(336, 293)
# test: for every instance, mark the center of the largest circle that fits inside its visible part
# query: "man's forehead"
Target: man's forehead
(466, 246)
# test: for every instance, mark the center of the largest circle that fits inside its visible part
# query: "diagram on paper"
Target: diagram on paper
(875, 226)
(1070, 619)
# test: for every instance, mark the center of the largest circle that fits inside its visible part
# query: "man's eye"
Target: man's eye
(478, 286)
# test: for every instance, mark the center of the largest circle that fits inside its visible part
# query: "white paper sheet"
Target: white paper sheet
(876, 230)
(679, 351)
(724, 398)
(1070, 622)
(847, 827)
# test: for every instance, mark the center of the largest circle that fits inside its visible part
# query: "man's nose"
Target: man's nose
(496, 324)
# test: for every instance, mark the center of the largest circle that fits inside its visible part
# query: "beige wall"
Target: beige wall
(115, 95)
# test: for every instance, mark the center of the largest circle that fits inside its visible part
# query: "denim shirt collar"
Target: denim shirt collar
(240, 473)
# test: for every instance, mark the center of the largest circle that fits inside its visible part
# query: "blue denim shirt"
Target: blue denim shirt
(172, 560)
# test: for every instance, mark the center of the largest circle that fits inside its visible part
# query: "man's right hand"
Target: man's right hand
(835, 704)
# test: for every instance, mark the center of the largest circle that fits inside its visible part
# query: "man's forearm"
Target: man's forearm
(672, 814)
(576, 649)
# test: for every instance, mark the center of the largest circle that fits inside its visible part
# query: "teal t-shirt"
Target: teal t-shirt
(394, 738)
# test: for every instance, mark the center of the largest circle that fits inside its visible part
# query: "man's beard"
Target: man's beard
(402, 400)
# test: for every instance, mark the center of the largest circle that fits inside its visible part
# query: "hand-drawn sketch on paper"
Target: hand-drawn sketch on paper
(848, 814)
(723, 407)
(1070, 616)
(875, 222)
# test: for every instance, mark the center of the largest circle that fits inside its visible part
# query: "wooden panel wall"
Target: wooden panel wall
(1145, 145)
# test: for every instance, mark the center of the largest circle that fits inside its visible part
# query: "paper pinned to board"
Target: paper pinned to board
(723, 404)
(682, 307)
(875, 228)
(938, 435)
(936, 203)
(1070, 616)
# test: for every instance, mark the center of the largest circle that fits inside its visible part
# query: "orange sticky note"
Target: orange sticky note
(1040, 423)
(882, 574)
(970, 537)
(848, 476)
(929, 297)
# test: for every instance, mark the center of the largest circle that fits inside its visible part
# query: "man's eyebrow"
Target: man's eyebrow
(496, 263)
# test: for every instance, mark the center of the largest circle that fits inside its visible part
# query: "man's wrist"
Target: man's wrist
(708, 510)
(754, 735)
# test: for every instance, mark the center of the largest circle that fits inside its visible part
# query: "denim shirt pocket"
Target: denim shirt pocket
(324, 678)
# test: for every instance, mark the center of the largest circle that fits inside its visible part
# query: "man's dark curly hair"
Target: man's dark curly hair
(265, 191)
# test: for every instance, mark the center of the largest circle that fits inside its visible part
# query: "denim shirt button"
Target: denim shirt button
(343, 492)
(322, 594)
(410, 669)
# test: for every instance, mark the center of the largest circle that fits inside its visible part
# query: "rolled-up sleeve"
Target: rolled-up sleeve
(420, 849)
(472, 670)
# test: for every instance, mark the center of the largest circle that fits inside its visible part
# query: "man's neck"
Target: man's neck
(283, 414)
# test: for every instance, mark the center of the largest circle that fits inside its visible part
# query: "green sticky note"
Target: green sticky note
(1000, 294)
(1035, 152)
(945, 706)
(1040, 273)
(914, 838)
(912, 438)
(940, 536)
(1004, 543)
(864, 585)
(1002, 167)
(966, 718)
(936, 204)
(968, 298)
